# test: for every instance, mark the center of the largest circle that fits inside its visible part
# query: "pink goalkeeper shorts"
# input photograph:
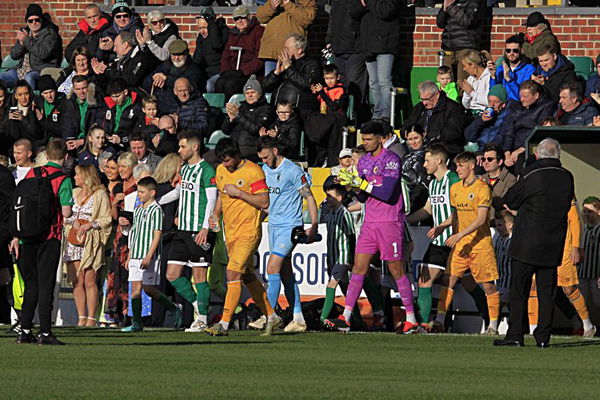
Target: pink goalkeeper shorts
(385, 237)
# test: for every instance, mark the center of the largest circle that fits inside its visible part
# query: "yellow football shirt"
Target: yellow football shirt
(467, 200)
(240, 219)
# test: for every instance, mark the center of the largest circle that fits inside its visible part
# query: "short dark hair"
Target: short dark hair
(331, 184)
(79, 79)
(267, 142)
(517, 39)
(331, 69)
(532, 86)
(546, 49)
(115, 86)
(466, 156)
(496, 148)
(227, 147)
(373, 127)
(284, 103)
(23, 83)
(360, 149)
(137, 137)
(505, 215)
(574, 88)
(444, 69)
(190, 136)
(56, 149)
(438, 149)
(148, 182)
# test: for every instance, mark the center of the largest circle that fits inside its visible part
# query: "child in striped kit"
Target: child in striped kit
(501, 240)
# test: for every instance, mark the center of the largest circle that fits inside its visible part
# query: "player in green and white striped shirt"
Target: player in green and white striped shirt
(193, 243)
(144, 254)
(589, 268)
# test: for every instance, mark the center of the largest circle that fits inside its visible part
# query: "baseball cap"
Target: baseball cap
(240, 11)
(345, 153)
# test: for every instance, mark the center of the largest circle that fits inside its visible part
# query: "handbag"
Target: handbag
(74, 237)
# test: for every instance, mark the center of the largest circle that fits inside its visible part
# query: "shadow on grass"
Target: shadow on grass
(173, 343)
(582, 343)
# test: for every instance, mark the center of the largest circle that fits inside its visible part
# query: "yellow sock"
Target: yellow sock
(446, 295)
(259, 295)
(234, 291)
(579, 303)
(493, 301)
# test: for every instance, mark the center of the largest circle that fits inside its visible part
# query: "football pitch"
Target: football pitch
(163, 364)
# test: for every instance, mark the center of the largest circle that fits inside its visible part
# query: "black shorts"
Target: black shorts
(185, 251)
(436, 256)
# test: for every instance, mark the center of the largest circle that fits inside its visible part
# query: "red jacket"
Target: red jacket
(249, 41)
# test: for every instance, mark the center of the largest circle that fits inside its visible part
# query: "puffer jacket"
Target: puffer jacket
(71, 118)
(52, 122)
(249, 41)
(288, 135)
(462, 23)
(521, 121)
(244, 128)
(583, 115)
(531, 45)
(484, 132)
(342, 31)
(88, 37)
(379, 31)
(563, 72)
(130, 116)
(45, 49)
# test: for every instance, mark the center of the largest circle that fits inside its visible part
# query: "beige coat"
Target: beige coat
(297, 15)
(95, 241)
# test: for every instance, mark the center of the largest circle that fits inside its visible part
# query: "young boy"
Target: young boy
(444, 81)
(149, 124)
(287, 129)
(344, 161)
(504, 226)
(144, 255)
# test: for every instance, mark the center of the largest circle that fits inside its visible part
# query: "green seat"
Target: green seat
(350, 111)
(268, 97)
(418, 75)
(237, 98)
(8, 63)
(215, 99)
(214, 139)
(584, 66)
(64, 64)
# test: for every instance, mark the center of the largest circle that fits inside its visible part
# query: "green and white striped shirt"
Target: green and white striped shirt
(195, 204)
(146, 221)
(589, 268)
(439, 197)
(341, 237)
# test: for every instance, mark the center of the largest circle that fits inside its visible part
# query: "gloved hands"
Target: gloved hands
(351, 178)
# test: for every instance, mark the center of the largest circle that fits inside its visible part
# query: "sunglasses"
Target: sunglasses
(34, 20)
(159, 22)
(235, 19)
(508, 51)
(489, 159)
(121, 16)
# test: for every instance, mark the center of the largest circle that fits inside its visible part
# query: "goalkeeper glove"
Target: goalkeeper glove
(352, 179)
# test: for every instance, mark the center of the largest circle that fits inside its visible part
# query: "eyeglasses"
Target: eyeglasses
(430, 97)
(159, 22)
(489, 159)
(235, 19)
(508, 51)
(122, 16)
(34, 20)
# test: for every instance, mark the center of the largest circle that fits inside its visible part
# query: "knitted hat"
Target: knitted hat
(120, 7)
(46, 83)
(253, 84)
(34, 10)
(499, 91)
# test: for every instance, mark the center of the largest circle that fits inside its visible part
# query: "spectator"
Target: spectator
(188, 108)
(213, 34)
(139, 147)
(291, 79)
(95, 145)
(23, 155)
(91, 218)
(476, 87)
(282, 18)
(461, 21)
(111, 171)
(166, 141)
(38, 46)
(496, 175)
(91, 27)
(514, 70)
(344, 162)
(393, 143)
(441, 118)
(22, 119)
(240, 56)
(445, 82)
(378, 39)
(486, 128)
(553, 70)
(81, 111)
(413, 170)
(342, 33)
(49, 107)
(120, 112)
(538, 35)
(534, 108)
(158, 35)
(592, 87)
(180, 65)
(123, 21)
(245, 120)
(574, 108)
(287, 129)
(80, 64)
(149, 124)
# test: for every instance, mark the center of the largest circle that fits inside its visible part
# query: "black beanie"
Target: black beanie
(34, 10)
(46, 83)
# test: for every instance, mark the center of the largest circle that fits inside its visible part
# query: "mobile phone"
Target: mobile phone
(14, 109)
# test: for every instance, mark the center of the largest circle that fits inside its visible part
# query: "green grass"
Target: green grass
(162, 364)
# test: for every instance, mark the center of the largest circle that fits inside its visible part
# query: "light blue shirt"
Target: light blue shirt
(285, 207)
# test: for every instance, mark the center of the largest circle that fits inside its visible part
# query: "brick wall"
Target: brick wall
(579, 34)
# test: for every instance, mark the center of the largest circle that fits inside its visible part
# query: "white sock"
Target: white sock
(347, 314)
(587, 324)
(410, 317)
(272, 317)
(203, 318)
(532, 328)
(27, 331)
(441, 317)
(299, 317)
(494, 324)
(224, 324)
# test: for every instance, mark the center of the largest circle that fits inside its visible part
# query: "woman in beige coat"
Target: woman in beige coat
(91, 204)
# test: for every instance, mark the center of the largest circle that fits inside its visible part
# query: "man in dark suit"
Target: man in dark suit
(542, 196)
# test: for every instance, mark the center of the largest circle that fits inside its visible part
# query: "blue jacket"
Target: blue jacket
(521, 121)
(518, 75)
(592, 85)
(583, 115)
(484, 132)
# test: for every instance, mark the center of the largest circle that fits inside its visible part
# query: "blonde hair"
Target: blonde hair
(128, 159)
(167, 168)
(90, 178)
(88, 142)
(476, 58)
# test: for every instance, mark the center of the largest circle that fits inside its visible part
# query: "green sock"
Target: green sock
(203, 297)
(184, 288)
(480, 301)
(328, 305)
(136, 309)
(164, 300)
(424, 303)
(373, 295)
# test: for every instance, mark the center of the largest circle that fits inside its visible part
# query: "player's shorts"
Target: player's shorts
(482, 265)
(504, 294)
(280, 241)
(185, 251)
(436, 256)
(241, 253)
(385, 237)
(341, 272)
(567, 274)
(148, 276)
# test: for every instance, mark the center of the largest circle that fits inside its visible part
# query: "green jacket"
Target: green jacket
(451, 91)
(546, 37)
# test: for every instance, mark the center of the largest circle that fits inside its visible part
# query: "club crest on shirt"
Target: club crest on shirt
(471, 196)
(241, 182)
(375, 169)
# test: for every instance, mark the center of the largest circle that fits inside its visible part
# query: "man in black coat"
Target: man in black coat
(212, 37)
(91, 27)
(542, 198)
(49, 107)
(80, 112)
(553, 71)
(443, 119)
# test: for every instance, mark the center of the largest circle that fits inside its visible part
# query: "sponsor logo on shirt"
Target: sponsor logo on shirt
(438, 199)
(392, 165)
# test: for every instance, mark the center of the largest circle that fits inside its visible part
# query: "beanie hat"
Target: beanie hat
(120, 7)
(253, 84)
(499, 91)
(34, 10)
(46, 83)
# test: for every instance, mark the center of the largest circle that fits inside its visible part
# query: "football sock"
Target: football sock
(203, 300)
(166, 303)
(136, 310)
(234, 291)
(405, 290)
(479, 297)
(373, 294)
(274, 288)
(424, 302)
(183, 286)
(579, 303)
(259, 295)
(446, 295)
(328, 304)
(354, 289)
(532, 307)
(292, 293)
(493, 302)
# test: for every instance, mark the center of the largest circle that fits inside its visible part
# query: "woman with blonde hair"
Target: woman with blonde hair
(476, 87)
(95, 144)
(92, 221)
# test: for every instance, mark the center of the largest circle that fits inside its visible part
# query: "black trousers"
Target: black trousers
(545, 280)
(38, 263)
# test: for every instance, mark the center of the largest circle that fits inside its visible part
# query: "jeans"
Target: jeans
(380, 83)
(211, 82)
(10, 78)
(270, 66)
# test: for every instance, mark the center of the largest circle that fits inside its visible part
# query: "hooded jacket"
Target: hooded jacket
(129, 119)
(563, 72)
(87, 36)
(462, 23)
(484, 132)
(208, 50)
(45, 49)
(520, 74)
(583, 115)
(244, 128)
(249, 41)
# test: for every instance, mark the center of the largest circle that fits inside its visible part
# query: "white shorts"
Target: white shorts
(148, 276)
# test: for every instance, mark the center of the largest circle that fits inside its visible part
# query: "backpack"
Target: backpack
(34, 206)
